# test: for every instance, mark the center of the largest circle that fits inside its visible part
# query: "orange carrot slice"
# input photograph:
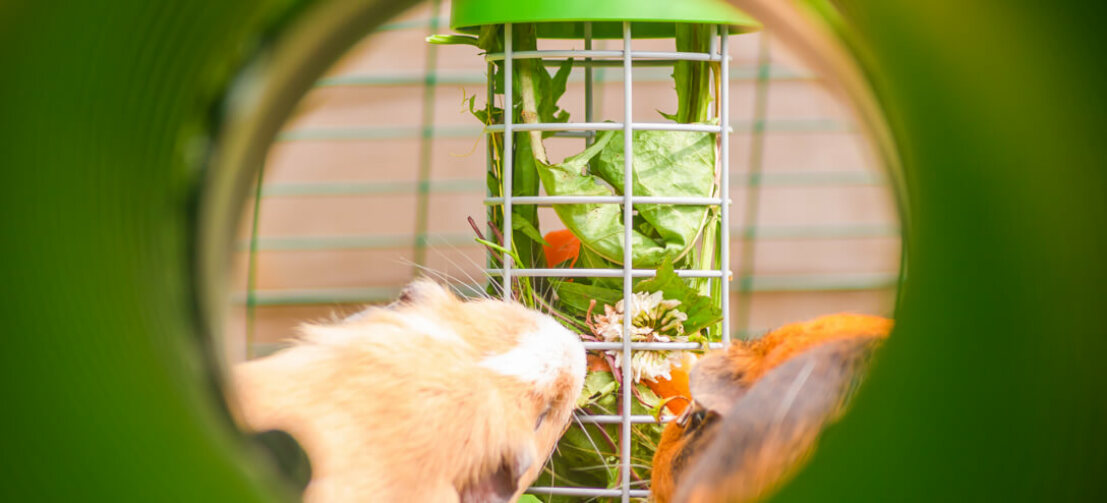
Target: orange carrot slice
(563, 245)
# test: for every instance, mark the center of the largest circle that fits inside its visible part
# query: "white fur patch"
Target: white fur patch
(541, 355)
(431, 328)
(359, 315)
(417, 323)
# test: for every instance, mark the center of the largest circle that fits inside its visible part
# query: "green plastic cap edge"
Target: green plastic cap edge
(565, 18)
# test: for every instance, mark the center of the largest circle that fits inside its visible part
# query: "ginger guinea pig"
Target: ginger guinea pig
(758, 409)
(429, 399)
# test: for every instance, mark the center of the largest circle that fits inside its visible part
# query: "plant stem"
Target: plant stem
(526, 71)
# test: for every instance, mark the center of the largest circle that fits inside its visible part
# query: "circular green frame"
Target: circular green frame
(131, 131)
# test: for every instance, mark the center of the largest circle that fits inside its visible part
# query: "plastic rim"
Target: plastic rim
(565, 18)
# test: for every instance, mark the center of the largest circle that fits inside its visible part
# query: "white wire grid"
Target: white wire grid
(629, 58)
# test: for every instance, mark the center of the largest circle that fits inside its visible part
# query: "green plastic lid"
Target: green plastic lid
(563, 18)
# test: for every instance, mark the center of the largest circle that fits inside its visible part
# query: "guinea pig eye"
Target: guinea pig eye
(693, 416)
(542, 417)
(696, 419)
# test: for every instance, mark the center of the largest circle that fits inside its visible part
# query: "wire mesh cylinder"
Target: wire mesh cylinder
(502, 148)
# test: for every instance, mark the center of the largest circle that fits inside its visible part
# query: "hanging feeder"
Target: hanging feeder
(644, 254)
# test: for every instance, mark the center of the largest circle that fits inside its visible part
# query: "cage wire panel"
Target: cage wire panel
(628, 57)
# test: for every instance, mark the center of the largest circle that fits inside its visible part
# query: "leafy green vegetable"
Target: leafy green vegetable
(666, 163)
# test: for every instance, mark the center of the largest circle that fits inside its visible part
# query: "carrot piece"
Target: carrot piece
(675, 387)
(563, 245)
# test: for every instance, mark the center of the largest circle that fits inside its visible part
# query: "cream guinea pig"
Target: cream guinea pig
(429, 399)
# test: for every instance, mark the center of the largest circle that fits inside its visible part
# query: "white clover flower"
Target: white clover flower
(653, 319)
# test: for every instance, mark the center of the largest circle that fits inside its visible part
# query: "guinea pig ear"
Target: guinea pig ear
(422, 292)
(499, 485)
(716, 382)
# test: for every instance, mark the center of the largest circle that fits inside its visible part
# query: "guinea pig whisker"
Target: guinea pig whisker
(553, 469)
(593, 442)
(479, 267)
(446, 278)
(449, 277)
(463, 270)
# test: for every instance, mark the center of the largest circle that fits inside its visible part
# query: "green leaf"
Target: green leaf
(648, 397)
(525, 183)
(493, 184)
(529, 229)
(702, 311)
(528, 498)
(597, 385)
(577, 296)
(498, 248)
(556, 90)
(453, 40)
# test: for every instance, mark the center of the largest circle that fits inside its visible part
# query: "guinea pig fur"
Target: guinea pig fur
(430, 399)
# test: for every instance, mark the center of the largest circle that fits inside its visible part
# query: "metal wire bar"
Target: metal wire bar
(552, 200)
(490, 163)
(611, 63)
(587, 492)
(507, 159)
(603, 273)
(595, 346)
(591, 135)
(606, 126)
(668, 56)
(628, 284)
(617, 419)
(649, 346)
(724, 184)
